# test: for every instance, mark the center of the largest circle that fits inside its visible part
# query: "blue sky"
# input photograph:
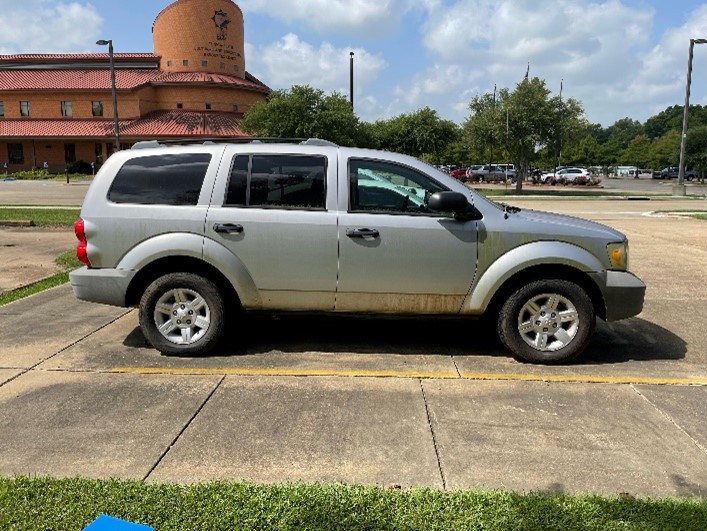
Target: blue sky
(619, 58)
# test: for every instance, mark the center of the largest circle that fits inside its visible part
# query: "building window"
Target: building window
(204, 63)
(24, 108)
(110, 149)
(15, 154)
(235, 108)
(185, 62)
(97, 107)
(69, 153)
(66, 108)
(208, 106)
(222, 66)
(2, 108)
(180, 105)
(99, 153)
(170, 62)
(235, 68)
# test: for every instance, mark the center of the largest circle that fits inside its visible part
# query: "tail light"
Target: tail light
(81, 252)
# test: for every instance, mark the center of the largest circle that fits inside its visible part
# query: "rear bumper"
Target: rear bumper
(107, 286)
(623, 293)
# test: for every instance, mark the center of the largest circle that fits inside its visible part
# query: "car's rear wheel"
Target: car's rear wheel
(547, 321)
(182, 314)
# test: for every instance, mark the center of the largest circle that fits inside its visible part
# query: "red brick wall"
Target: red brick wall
(48, 104)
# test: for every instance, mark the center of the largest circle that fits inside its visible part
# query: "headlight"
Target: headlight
(618, 255)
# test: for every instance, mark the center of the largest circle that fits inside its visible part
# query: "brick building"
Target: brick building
(57, 109)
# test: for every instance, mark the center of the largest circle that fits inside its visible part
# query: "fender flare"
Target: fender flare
(531, 254)
(181, 244)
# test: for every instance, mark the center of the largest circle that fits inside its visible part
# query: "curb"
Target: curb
(17, 223)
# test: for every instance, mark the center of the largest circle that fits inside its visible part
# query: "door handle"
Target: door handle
(228, 228)
(362, 233)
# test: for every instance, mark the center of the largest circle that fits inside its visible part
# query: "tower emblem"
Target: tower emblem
(221, 21)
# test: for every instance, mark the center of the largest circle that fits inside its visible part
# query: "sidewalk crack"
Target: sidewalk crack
(670, 419)
(184, 428)
(434, 437)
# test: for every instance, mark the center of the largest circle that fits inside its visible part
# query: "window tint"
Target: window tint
(377, 186)
(97, 108)
(161, 180)
(291, 181)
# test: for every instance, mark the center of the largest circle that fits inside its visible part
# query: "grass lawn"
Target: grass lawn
(72, 503)
(41, 217)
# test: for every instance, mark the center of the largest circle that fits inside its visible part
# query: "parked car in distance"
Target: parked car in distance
(672, 172)
(490, 174)
(565, 174)
(196, 234)
(459, 173)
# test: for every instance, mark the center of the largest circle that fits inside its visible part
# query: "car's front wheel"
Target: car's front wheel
(182, 314)
(547, 321)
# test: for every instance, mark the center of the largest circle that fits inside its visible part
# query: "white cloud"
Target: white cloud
(291, 61)
(351, 17)
(43, 26)
(592, 47)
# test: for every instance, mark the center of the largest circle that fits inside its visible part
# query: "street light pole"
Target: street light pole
(351, 75)
(679, 189)
(116, 127)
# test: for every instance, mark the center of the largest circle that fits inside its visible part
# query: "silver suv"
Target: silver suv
(195, 234)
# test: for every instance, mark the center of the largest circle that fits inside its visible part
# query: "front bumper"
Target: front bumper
(107, 286)
(623, 293)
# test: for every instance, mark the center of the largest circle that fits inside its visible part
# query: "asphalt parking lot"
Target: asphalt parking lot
(407, 402)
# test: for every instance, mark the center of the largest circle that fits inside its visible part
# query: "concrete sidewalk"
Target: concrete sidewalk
(82, 394)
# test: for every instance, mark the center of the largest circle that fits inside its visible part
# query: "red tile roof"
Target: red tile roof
(159, 124)
(125, 79)
(63, 57)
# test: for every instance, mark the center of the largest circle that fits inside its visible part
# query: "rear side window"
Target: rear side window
(284, 181)
(161, 180)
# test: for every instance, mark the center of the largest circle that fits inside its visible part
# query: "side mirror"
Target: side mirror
(454, 202)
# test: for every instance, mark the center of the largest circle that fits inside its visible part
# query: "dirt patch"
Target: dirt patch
(27, 254)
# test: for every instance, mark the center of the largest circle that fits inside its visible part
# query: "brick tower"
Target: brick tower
(200, 36)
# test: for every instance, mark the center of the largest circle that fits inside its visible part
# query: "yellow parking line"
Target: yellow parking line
(584, 378)
(287, 372)
(447, 375)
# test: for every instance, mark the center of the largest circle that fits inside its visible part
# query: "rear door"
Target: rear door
(275, 214)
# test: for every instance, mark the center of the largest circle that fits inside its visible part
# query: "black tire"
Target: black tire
(547, 321)
(192, 320)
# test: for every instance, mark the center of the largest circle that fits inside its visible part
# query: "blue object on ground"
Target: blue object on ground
(8, 179)
(110, 523)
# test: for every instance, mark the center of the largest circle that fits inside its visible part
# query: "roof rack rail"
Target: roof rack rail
(143, 144)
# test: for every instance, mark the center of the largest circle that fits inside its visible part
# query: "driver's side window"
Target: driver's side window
(383, 187)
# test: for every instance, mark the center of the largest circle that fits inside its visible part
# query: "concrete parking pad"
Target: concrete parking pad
(559, 437)
(685, 406)
(353, 430)
(8, 374)
(28, 254)
(38, 327)
(303, 346)
(94, 425)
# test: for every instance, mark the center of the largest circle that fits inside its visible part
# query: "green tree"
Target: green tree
(421, 134)
(304, 112)
(666, 150)
(521, 121)
(637, 152)
(586, 152)
(696, 149)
